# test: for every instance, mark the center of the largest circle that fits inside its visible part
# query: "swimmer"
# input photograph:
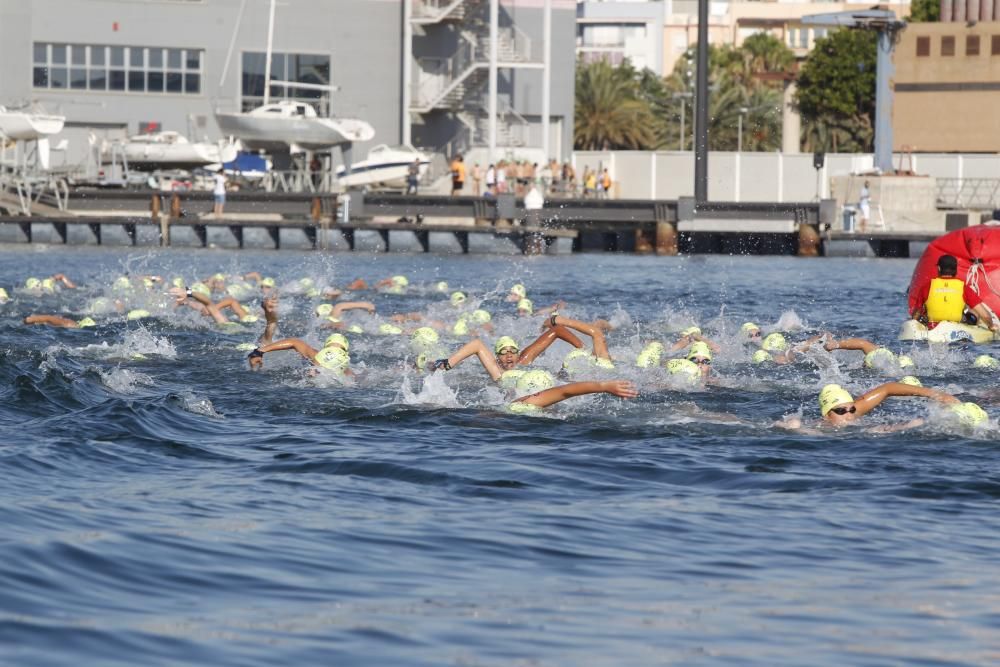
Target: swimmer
(338, 309)
(838, 408)
(59, 321)
(692, 335)
(204, 305)
(875, 355)
(332, 356)
(502, 364)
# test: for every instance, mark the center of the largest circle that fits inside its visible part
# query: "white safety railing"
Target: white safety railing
(981, 193)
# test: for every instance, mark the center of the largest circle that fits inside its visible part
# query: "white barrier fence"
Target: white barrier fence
(762, 176)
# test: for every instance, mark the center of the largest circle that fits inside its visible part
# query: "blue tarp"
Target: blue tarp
(247, 162)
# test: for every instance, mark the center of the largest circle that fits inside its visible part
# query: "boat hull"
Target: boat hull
(261, 133)
(22, 126)
(946, 332)
(152, 157)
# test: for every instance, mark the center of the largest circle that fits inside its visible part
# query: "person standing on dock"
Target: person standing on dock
(491, 180)
(477, 180)
(413, 177)
(865, 205)
(457, 175)
(219, 192)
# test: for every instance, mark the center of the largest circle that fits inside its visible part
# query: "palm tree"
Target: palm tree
(609, 113)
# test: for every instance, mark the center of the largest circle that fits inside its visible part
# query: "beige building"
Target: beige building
(946, 83)
(733, 22)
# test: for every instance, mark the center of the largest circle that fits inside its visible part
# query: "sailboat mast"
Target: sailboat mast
(270, 46)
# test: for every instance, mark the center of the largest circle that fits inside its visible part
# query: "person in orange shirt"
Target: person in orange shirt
(457, 175)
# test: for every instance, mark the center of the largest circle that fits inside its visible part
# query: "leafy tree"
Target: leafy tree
(609, 112)
(836, 92)
(924, 11)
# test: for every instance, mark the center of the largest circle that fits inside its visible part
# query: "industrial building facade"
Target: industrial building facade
(118, 67)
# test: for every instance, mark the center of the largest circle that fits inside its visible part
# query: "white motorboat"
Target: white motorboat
(171, 150)
(385, 167)
(292, 126)
(26, 125)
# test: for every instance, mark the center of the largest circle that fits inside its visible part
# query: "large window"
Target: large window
(297, 67)
(131, 69)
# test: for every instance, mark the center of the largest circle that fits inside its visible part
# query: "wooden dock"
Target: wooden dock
(642, 226)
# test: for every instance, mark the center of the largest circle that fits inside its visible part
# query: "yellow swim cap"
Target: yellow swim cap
(3, 295)
(911, 380)
(148, 283)
(137, 314)
(519, 290)
(905, 361)
(761, 356)
(249, 319)
(201, 288)
(312, 293)
(831, 396)
(700, 349)
(774, 342)
(969, 414)
(748, 328)
(457, 298)
(526, 305)
(337, 339)
(400, 281)
(508, 380)
(219, 277)
(355, 329)
(503, 343)
(424, 338)
(177, 281)
(306, 283)
(577, 360)
(533, 382)
(650, 355)
(461, 327)
(324, 309)
(601, 362)
(691, 331)
(389, 329)
(441, 286)
(49, 285)
(267, 282)
(35, 283)
(121, 283)
(333, 358)
(480, 316)
(522, 408)
(880, 356)
(86, 322)
(686, 369)
(987, 362)
(246, 347)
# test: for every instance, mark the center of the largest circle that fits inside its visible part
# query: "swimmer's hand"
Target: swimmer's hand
(789, 422)
(179, 294)
(603, 325)
(270, 306)
(620, 388)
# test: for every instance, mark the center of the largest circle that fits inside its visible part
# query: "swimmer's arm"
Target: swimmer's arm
(67, 283)
(52, 321)
(542, 343)
(344, 306)
(984, 315)
(873, 398)
(476, 347)
(253, 275)
(270, 306)
(712, 345)
(543, 399)
(300, 346)
(413, 317)
(859, 344)
(595, 332)
(358, 284)
(232, 304)
(385, 282)
(681, 343)
(332, 293)
(895, 428)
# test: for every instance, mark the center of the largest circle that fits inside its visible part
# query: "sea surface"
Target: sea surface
(163, 505)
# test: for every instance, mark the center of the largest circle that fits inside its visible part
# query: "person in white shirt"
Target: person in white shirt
(864, 205)
(219, 191)
(491, 179)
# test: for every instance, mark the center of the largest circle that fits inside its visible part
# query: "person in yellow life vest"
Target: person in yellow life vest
(947, 297)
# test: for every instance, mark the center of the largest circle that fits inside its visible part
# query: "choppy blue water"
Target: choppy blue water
(174, 508)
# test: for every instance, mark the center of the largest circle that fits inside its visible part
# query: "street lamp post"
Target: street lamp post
(739, 131)
(682, 97)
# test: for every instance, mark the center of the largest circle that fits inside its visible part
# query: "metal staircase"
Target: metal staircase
(455, 85)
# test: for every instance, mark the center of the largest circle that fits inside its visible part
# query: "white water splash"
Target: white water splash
(433, 391)
(198, 405)
(123, 380)
(789, 321)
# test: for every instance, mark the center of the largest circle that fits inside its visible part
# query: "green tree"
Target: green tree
(836, 92)
(610, 112)
(924, 11)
